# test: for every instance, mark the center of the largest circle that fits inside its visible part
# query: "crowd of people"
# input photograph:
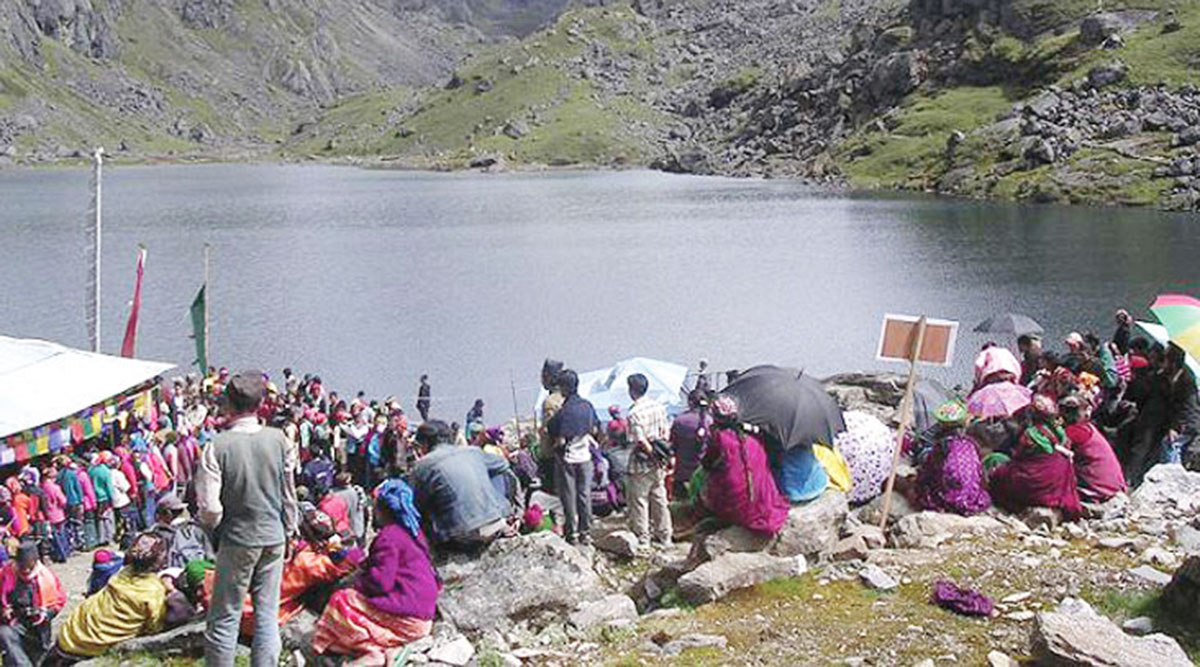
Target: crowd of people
(244, 502)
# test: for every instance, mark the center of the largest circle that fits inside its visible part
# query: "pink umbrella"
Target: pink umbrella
(1002, 399)
(996, 360)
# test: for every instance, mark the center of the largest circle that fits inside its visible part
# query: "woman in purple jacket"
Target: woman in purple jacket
(394, 600)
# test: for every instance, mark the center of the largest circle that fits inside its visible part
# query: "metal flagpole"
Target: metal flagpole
(93, 315)
(207, 298)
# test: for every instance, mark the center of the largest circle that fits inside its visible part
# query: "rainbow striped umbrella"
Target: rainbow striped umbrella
(1180, 314)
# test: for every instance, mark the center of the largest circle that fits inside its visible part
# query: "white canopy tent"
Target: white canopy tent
(41, 382)
(607, 386)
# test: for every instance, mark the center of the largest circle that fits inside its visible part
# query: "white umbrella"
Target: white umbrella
(1159, 333)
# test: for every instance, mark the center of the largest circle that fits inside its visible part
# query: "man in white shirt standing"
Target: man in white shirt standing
(646, 485)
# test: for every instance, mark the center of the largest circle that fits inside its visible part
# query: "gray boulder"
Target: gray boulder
(1181, 597)
(876, 579)
(716, 579)
(515, 129)
(1075, 634)
(622, 543)
(1168, 491)
(897, 75)
(1107, 74)
(677, 646)
(1190, 136)
(1038, 150)
(187, 640)
(615, 607)
(812, 529)
(734, 539)
(516, 579)
(926, 530)
(1098, 28)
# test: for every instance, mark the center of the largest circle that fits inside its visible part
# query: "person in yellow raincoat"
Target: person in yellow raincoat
(134, 603)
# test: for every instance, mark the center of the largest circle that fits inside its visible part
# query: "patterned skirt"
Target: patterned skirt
(351, 626)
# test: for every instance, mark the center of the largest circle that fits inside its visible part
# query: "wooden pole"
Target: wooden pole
(207, 298)
(905, 420)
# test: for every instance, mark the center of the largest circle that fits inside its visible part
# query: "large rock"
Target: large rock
(517, 579)
(734, 539)
(611, 608)
(1168, 490)
(1075, 634)
(812, 529)
(926, 530)
(877, 394)
(1107, 74)
(716, 579)
(1182, 596)
(298, 633)
(1097, 28)
(621, 543)
(897, 75)
(187, 640)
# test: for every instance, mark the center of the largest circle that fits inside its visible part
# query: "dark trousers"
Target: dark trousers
(131, 524)
(91, 537)
(60, 542)
(573, 482)
(25, 645)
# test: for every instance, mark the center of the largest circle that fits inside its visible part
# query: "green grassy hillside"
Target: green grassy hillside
(540, 101)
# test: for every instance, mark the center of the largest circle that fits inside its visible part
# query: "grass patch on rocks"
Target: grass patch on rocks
(1155, 56)
(910, 152)
(533, 102)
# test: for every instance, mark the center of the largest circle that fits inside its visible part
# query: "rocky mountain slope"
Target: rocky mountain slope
(1040, 100)
(156, 77)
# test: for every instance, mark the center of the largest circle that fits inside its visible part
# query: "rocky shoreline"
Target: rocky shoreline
(831, 588)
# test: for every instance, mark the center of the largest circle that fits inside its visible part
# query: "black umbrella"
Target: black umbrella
(791, 407)
(1015, 324)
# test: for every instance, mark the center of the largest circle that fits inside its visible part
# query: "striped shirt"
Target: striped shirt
(647, 422)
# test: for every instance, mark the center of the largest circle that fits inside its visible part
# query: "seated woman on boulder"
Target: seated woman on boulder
(1040, 473)
(950, 478)
(309, 578)
(394, 600)
(1097, 469)
(132, 604)
(739, 486)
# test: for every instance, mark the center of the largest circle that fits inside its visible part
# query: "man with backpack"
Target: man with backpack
(185, 539)
(646, 482)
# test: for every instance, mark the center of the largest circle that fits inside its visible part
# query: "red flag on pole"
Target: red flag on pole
(131, 326)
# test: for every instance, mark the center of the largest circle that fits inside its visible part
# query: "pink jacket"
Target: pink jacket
(55, 504)
(89, 491)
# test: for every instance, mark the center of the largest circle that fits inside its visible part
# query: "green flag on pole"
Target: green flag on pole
(199, 328)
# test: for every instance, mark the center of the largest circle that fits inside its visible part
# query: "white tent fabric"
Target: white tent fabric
(41, 382)
(607, 386)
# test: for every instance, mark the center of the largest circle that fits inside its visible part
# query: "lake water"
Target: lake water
(374, 277)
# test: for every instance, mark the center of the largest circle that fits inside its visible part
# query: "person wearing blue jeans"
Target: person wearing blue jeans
(246, 494)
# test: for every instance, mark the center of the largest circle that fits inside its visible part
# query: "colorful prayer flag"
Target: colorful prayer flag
(128, 344)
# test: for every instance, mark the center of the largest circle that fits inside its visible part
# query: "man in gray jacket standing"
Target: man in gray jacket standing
(247, 497)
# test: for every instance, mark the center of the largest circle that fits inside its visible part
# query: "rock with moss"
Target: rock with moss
(1074, 634)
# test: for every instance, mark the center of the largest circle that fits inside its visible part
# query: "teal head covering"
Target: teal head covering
(397, 496)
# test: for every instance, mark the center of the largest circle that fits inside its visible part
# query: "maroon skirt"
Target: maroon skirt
(1037, 480)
